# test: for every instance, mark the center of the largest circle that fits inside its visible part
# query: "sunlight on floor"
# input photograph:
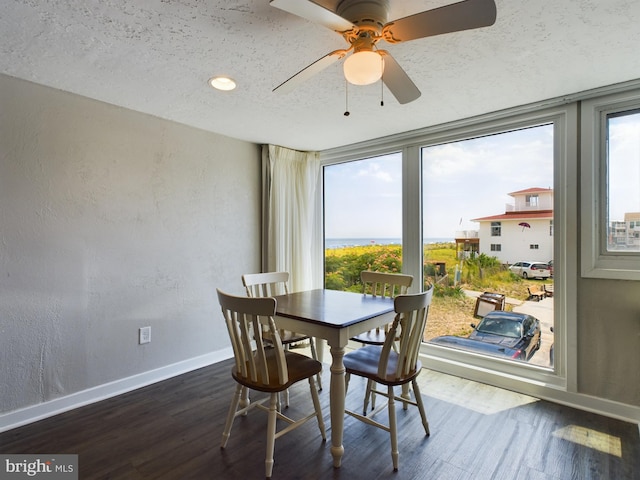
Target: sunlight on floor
(587, 437)
(483, 399)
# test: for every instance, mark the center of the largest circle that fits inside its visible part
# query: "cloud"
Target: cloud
(465, 179)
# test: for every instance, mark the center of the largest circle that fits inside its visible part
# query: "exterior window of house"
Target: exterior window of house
(534, 246)
(496, 247)
(362, 219)
(611, 186)
(496, 229)
(551, 228)
(532, 200)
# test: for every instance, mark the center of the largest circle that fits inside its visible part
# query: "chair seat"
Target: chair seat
(372, 337)
(287, 337)
(300, 367)
(364, 362)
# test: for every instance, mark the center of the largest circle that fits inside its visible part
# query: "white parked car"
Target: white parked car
(531, 269)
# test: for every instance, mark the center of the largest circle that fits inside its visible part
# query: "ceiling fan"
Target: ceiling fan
(363, 23)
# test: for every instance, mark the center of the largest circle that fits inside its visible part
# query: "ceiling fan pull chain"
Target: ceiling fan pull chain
(346, 98)
(382, 91)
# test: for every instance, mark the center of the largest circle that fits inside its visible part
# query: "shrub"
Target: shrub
(334, 281)
(480, 272)
(440, 290)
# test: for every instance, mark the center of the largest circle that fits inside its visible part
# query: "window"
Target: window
(622, 163)
(362, 218)
(447, 175)
(551, 228)
(611, 186)
(465, 184)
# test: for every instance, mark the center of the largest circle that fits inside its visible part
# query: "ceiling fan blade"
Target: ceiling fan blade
(397, 80)
(464, 15)
(314, 13)
(308, 72)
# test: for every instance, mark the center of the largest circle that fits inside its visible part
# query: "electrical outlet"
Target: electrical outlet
(144, 335)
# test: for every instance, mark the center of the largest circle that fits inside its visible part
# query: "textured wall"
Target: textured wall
(111, 220)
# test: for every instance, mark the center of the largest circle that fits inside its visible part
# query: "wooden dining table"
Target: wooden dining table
(335, 316)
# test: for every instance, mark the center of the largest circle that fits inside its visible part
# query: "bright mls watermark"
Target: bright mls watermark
(53, 467)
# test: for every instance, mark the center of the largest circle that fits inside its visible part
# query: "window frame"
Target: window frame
(503, 373)
(596, 260)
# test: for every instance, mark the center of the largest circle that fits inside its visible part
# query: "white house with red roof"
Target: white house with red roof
(523, 232)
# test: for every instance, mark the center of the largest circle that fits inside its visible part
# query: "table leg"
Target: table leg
(336, 398)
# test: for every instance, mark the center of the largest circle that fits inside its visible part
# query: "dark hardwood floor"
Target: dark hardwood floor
(172, 430)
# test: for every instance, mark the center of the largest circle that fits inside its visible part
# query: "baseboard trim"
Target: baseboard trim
(33, 413)
(552, 393)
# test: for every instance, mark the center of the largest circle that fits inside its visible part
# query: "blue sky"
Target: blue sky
(624, 165)
(472, 178)
(468, 179)
(363, 198)
(461, 180)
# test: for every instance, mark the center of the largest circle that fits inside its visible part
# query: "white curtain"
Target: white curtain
(290, 179)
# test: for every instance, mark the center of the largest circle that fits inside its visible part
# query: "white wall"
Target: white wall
(516, 241)
(111, 220)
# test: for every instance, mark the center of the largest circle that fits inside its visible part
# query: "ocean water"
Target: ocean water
(355, 242)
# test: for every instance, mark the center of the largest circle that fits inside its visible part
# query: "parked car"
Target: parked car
(500, 333)
(518, 331)
(550, 265)
(531, 269)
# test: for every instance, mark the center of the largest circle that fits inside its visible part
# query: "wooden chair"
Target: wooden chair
(383, 365)
(271, 284)
(265, 367)
(380, 284)
(536, 292)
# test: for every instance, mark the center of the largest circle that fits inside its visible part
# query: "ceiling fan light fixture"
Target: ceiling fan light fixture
(363, 68)
(221, 82)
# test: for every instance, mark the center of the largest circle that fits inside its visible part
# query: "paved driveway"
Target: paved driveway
(543, 311)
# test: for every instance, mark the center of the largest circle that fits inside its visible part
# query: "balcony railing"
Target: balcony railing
(527, 207)
(467, 234)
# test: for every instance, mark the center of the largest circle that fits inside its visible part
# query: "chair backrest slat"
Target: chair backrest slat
(408, 327)
(385, 284)
(247, 320)
(267, 284)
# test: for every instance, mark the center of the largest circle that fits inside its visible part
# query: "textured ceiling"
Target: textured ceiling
(155, 56)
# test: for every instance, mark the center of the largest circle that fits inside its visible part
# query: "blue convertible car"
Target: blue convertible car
(499, 333)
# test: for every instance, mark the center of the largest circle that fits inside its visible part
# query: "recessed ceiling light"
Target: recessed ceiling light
(222, 83)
